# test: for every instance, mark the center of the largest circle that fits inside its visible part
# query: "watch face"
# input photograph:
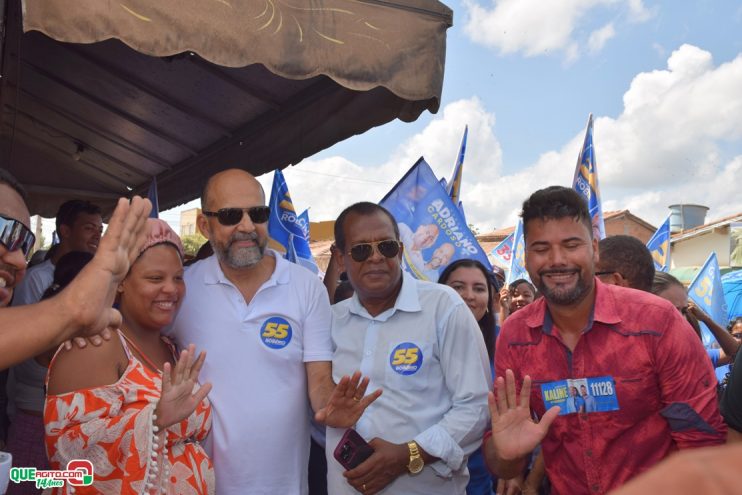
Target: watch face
(416, 465)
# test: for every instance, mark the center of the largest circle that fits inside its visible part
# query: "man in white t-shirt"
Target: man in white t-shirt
(265, 325)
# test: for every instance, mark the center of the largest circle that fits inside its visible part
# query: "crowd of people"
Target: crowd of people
(237, 375)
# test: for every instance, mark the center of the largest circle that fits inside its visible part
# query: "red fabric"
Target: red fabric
(656, 360)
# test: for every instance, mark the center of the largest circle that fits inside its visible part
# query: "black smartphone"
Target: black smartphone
(352, 449)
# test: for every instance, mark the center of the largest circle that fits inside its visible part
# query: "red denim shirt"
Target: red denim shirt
(665, 386)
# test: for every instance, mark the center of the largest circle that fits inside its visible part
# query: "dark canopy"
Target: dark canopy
(99, 97)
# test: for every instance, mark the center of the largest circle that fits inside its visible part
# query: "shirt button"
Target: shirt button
(589, 453)
(368, 353)
(595, 488)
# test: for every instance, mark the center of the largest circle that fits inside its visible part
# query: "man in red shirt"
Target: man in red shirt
(652, 386)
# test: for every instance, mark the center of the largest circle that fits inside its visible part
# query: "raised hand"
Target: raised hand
(178, 399)
(347, 402)
(514, 433)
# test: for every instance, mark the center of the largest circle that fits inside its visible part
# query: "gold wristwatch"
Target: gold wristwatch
(416, 460)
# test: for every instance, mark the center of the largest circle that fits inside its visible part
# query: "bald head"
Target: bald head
(230, 183)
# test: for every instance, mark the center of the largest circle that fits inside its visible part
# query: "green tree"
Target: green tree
(192, 243)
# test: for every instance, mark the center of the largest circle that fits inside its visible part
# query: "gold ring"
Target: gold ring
(363, 486)
(356, 399)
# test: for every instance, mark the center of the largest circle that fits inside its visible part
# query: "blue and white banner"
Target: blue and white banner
(518, 260)
(586, 181)
(432, 229)
(285, 226)
(707, 292)
(659, 246)
(503, 252)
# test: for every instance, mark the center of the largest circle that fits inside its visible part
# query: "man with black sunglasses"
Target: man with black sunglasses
(84, 308)
(420, 343)
(265, 325)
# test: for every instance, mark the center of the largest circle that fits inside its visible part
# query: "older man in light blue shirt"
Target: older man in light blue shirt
(417, 341)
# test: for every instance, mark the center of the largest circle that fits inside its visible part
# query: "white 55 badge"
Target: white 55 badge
(406, 358)
(276, 332)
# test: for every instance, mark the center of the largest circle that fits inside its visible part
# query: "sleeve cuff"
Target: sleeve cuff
(437, 442)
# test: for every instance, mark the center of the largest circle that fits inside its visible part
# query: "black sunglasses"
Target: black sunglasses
(361, 252)
(233, 216)
(14, 235)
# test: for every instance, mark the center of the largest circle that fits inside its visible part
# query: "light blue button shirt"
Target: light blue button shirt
(428, 355)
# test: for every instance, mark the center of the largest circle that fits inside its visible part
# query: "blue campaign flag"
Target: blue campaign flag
(431, 227)
(284, 225)
(152, 196)
(586, 181)
(503, 252)
(707, 292)
(303, 221)
(518, 260)
(454, 185)
(659, 246)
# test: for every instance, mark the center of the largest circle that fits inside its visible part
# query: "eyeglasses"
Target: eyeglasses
(361, 252)
(14, 235)
(233, 216)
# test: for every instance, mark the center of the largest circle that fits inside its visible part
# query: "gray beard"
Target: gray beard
(241, 257)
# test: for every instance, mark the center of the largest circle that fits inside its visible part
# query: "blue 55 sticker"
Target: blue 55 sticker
(276, 332)
(406, 358)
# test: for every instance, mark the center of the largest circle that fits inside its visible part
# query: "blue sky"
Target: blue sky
(662, 78)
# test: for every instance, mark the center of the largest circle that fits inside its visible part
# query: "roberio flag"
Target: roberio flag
(707, 292)
(431, 227)
(284, 225)
(518, 260)
(586, 181)
(659, 246)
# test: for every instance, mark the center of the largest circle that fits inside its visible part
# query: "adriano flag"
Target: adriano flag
(431, 227)
(453, 188)
(518, 260)
(586, 181)
(284, 226)
(659, 246)
(152, 196)
(707, 292)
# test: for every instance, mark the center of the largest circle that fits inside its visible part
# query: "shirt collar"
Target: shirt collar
(407, 300)
(604, 310)
(214, 274)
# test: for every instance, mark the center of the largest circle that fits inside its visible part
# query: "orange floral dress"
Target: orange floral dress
(112, 426)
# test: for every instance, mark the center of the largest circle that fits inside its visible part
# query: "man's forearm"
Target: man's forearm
(319, 383)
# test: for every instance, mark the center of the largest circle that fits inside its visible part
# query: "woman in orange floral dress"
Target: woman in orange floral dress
(129, 406)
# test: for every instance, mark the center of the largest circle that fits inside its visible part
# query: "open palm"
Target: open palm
(347, 402)
(178, 400)
(514, 433)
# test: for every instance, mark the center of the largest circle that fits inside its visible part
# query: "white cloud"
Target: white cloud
(600, 37)
(537, 27)
(664, 148)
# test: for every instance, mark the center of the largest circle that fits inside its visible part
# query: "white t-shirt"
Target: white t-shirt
(259, 442)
